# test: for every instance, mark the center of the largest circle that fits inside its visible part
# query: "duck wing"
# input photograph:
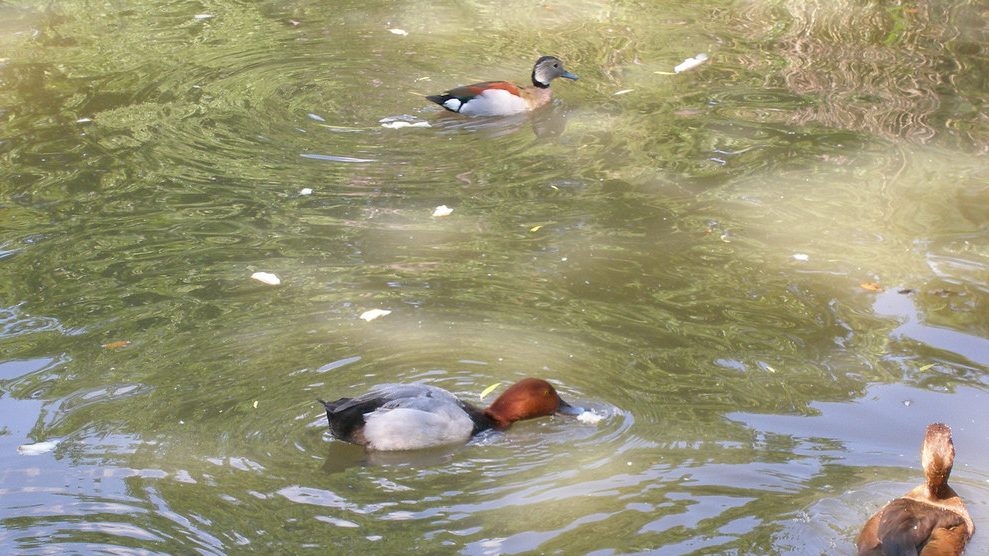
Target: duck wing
(907, 526)
(468, 92)
(382, 394)
(348, 417)
(456, 99)
(415, 423)
(946, 542)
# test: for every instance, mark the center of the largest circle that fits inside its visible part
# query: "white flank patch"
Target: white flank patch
(442, 210)
(266, 278)
(406, 428)
(589, 417)
(452, 104)
(494, 102)
(374, 313)
(690, 63)
(36, 449)
(400, 32)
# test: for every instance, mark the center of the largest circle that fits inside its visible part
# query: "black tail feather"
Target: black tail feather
(331, 406)
(345, 421)
(439, 99)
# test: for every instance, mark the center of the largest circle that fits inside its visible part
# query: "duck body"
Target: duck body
(502, 98)
(416, 416)
(931, 519)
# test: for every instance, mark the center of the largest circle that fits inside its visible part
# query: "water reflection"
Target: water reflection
(546, 123)
(686, 258)
(340, 458)
(973, 348)
(875, 68)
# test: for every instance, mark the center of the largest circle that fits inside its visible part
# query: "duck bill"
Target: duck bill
(568, 75)
(567, 409)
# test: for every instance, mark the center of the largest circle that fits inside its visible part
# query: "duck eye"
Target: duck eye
(556, 65)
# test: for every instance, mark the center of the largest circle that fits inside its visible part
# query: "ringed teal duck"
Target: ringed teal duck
(501, 98)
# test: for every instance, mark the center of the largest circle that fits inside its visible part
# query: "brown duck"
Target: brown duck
(930, 520)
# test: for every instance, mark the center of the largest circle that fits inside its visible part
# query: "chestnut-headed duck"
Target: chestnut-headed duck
(414, 416)
(930, 519)
(501, 98)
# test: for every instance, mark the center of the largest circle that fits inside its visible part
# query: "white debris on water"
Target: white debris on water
(690, 63)
(266, 278)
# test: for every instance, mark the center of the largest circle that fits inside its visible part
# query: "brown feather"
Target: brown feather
(931, 519)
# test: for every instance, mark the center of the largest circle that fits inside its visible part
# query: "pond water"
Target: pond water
(768, 273)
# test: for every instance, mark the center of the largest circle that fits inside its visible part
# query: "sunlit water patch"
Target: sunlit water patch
(767, 273)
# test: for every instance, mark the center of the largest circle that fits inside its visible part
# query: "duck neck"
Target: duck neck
(937, 490)
(937, 480)
(537, 83)
(496, 422)
(537, 97)
(482, 420)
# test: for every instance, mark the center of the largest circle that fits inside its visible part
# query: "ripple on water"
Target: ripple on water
(16, 321)
(579, 249)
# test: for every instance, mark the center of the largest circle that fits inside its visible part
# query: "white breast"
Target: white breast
(406, 428)
(494, 102)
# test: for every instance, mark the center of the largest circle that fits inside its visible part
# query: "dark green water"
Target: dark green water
(683, 253)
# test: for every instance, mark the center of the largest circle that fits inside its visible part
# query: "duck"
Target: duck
(502, 98)
(415, 416)
(930, 519)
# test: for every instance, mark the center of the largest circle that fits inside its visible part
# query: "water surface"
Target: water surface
(769, 273)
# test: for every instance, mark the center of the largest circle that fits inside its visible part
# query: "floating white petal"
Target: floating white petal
(690, 63)
(37, 448)
(401, 32)
(803, 257)
(442, 210)
(305, 191)
(623, 92)
(374, 313)
(267, 278)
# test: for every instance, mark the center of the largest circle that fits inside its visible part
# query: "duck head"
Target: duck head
(547, 69)
(527, 399)
(937, 457)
